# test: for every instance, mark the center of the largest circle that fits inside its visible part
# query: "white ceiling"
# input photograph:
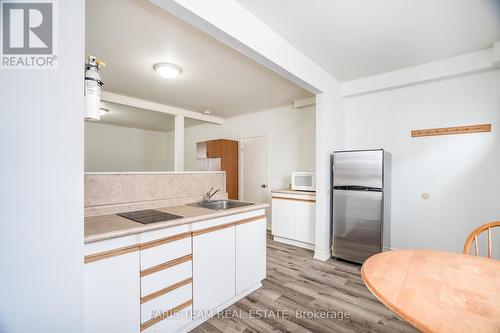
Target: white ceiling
(357, 38)
(127, 116)
(133, 35)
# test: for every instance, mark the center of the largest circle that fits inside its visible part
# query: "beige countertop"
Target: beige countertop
(110, 226)
(289, 191)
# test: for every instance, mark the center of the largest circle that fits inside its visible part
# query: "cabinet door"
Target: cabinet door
(283, 218)
(213, 149)
(304, 221)
(112, 286)
(250, 254)
(213, 268)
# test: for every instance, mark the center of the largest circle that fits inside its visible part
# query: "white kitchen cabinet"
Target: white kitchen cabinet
(112, 286)
(304, 221)
(165, 252)
(166, 277)
(166, 302)
(250, 254)
(293, 218)
(283, 222)
(200, 267)
(213, 268)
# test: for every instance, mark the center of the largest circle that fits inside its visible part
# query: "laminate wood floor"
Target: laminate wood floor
(298, 291)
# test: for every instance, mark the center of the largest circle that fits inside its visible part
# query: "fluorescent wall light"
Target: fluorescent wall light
(103, 111)
(167, 70)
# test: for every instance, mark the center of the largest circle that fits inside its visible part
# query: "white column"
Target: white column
(179, 144)
(322, 221)
(329, 137)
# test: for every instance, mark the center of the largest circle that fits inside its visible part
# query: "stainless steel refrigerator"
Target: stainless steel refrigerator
(361, 203)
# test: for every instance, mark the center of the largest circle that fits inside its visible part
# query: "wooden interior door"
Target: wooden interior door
(227, 151)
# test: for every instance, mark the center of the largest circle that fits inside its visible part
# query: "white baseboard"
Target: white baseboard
(323, 256)
(294, 242)
(221, 307)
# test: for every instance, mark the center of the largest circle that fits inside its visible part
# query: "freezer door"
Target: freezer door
(214, 164)
(357, 224)
(208, 164)
(202, 164)
(358, 168)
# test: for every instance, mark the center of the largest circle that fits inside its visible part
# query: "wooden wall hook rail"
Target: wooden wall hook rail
(452, 130)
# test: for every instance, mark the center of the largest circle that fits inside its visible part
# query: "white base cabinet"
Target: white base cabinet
(112, 288)
(250, 254)
(283, 218)
(293, 219)
(136, 283)
(213, 269)
(304, 221)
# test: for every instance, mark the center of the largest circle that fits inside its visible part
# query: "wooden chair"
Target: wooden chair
(474, 234)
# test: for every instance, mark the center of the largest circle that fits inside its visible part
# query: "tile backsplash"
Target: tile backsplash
(110, 193)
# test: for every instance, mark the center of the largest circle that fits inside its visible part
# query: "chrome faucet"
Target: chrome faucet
(210, 194)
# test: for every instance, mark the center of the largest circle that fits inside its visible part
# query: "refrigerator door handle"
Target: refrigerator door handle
(358, 188)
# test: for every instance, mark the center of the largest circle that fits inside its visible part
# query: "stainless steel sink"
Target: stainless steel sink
(221, 204)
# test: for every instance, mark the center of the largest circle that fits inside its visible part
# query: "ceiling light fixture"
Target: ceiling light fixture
(167, 70)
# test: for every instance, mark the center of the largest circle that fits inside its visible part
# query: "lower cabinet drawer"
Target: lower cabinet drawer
(162, 253)
(154, 308)
(172, 324)
(156, 281)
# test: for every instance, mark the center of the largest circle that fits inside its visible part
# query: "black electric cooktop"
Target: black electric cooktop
(149, 216)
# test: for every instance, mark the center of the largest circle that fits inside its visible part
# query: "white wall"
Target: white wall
(41, 191)
(116, 148)
(461, 173)
(291, 139)
(170, 150)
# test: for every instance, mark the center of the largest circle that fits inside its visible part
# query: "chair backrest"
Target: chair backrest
(474, 234)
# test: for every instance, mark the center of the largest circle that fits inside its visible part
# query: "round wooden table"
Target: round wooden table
(437, 291)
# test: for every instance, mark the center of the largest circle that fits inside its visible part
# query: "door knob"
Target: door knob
(263, 185)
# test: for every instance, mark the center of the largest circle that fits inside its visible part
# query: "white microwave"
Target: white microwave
(304, 181)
